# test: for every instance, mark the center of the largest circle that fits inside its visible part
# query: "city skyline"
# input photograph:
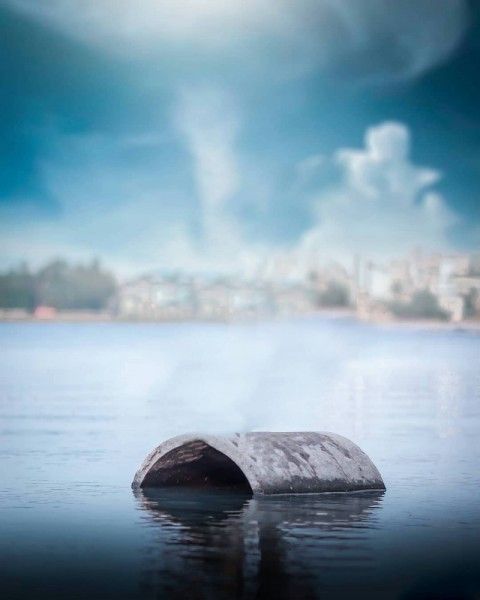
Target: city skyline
(417, 287)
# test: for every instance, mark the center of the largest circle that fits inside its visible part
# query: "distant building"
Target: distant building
(454, 305)
(371, 309)
(284, 287)
(45, 313)
(293, 299)
(463, 284)
(155, 298)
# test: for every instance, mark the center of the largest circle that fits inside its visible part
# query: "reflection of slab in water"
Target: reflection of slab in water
(191, 508)
(262, 463)
(208, 507)
(229, 545)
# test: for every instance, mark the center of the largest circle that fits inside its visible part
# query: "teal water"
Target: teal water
(82, 404)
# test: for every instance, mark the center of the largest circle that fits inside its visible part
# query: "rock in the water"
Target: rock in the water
(261, 463)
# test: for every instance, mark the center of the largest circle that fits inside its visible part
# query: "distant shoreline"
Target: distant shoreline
(17, 316)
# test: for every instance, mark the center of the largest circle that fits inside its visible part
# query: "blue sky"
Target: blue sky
(191, 135)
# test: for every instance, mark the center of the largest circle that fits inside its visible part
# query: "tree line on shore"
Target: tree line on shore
(58, 284)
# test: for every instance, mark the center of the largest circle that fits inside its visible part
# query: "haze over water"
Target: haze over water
(82, 404)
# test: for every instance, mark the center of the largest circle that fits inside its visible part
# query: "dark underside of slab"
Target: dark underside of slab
(197, 465)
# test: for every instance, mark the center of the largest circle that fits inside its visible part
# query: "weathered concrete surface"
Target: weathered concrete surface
(263, 462)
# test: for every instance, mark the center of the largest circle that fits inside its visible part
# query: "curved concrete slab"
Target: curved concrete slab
(261, 463)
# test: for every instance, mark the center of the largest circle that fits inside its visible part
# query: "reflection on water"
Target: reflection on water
(226, 545)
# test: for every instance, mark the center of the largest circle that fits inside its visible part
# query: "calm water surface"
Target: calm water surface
(81, 405)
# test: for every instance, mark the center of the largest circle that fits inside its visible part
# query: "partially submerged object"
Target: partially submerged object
(261, 463)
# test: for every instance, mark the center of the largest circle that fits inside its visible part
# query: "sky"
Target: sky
(194, 135)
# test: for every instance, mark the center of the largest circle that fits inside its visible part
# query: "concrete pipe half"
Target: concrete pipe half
(261, 463)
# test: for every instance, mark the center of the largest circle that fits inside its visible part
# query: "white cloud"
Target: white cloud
(384, 204)
(384, 39)
(129, 214)
(208, 122)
